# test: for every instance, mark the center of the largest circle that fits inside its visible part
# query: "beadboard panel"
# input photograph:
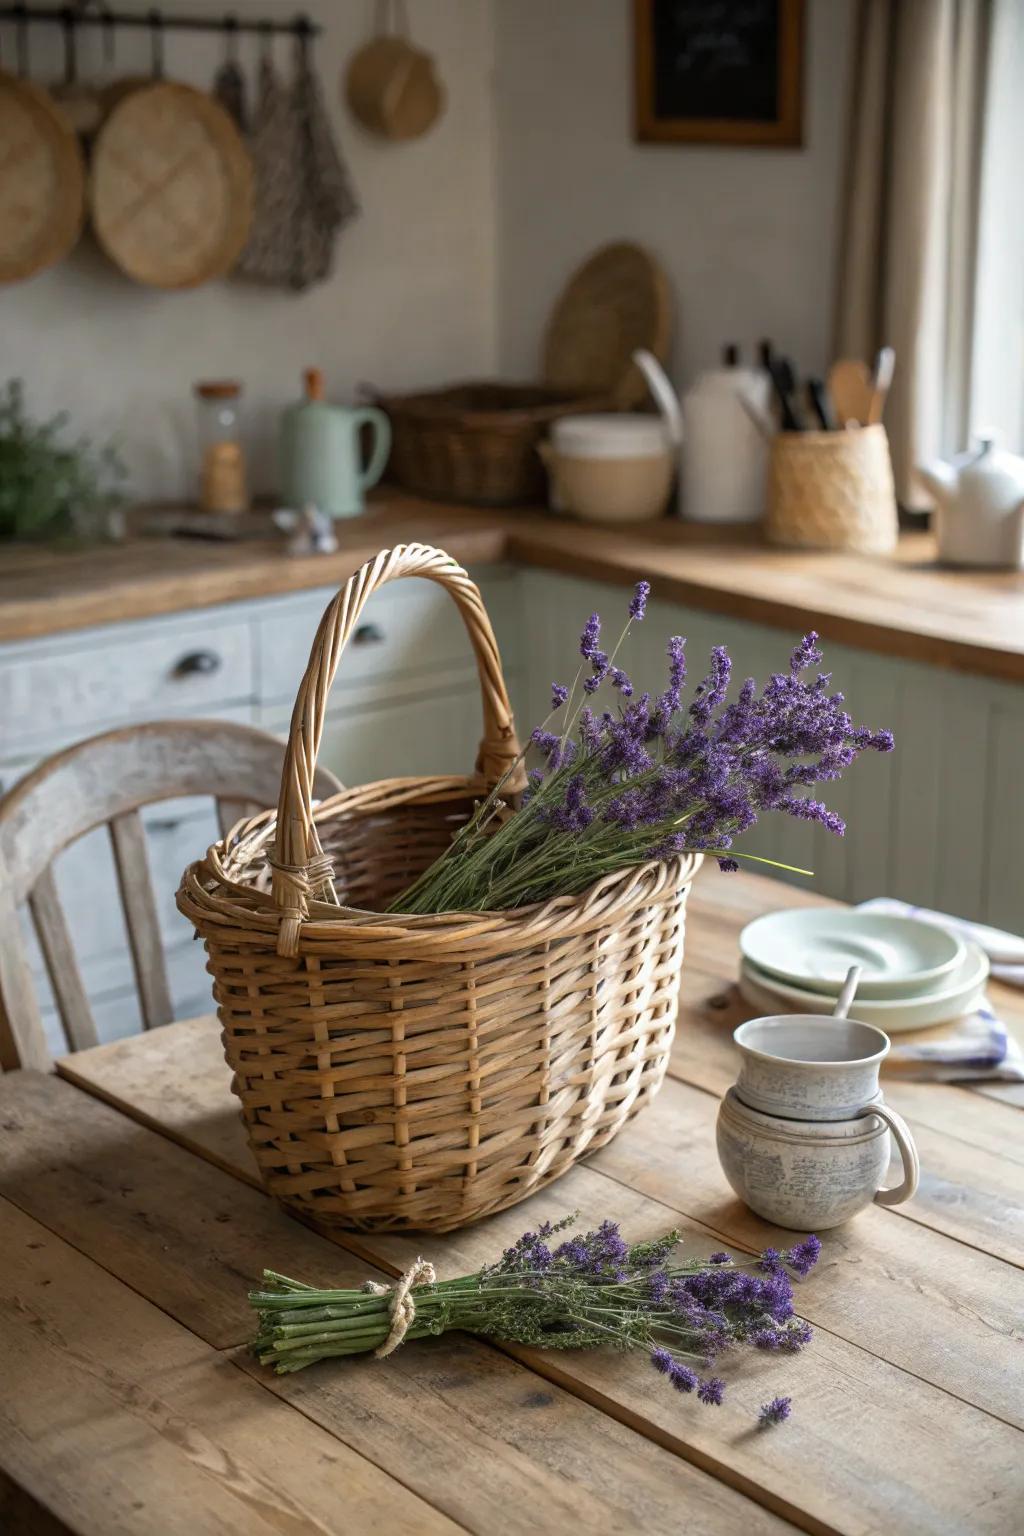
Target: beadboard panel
(938, 822)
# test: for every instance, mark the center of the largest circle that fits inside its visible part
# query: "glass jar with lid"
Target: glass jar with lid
(222, 479)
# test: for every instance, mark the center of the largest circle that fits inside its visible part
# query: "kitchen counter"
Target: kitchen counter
(907, 606)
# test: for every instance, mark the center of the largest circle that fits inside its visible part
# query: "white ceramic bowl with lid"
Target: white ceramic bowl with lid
(610, 468)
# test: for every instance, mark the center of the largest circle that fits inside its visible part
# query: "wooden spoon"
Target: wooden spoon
(850, 387)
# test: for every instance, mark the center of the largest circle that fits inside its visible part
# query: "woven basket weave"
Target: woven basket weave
(423, 1071)
(832, 490)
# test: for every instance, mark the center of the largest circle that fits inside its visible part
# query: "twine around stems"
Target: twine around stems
(403, 1308)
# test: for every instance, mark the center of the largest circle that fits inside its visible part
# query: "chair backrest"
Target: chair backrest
(106, 780)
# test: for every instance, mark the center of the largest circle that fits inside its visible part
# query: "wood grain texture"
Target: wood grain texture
(462, 1425)
(115, 1419)
(901, 606)
(128, 840)
(892, 1287)
(858, 1402)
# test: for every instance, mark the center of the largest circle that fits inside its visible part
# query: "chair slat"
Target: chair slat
(230, 811)
(22, 1041)
(128, 839)
(61, 962)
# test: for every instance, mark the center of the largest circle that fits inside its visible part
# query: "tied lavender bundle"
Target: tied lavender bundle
(590, 1290)
(650, 778)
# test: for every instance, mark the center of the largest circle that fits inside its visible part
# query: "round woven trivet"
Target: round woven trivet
(617, 301)
(42, 181)
(171, 187)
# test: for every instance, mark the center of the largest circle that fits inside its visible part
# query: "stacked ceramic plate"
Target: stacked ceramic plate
(913, 975)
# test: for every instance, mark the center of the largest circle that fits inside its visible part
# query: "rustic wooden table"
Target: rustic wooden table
(131, 1225)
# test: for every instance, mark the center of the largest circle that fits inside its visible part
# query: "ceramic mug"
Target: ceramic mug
(809, 1066)
(812, 1175)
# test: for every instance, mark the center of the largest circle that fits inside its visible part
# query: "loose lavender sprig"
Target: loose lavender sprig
(649, 778)
(588, 1290)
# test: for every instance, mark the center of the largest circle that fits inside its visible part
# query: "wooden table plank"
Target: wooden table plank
(840, 1453)
(882, 1273)
(898, 1290)
(476, 1434)
(115, 1419)
(861, 1453)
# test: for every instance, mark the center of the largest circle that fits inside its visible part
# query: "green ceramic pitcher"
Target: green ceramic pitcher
(320, 452)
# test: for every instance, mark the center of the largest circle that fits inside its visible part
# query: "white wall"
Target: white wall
(747, 236)
(411, 299)
(465, 236)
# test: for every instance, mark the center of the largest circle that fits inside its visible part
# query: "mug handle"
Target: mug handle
(370, 415)
(908, 1153)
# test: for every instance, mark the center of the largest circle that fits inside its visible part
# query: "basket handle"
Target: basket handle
(300, 868)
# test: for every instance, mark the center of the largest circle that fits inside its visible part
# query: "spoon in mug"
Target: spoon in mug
(846, 996)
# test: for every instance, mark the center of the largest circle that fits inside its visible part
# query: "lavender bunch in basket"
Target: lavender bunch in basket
(649, 776)
(590, 1290)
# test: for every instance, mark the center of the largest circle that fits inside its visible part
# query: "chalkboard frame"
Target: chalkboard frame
(784, 131)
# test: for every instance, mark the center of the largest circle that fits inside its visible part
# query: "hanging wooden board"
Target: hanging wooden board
(617, 301)
(42, 181)
(171, 187)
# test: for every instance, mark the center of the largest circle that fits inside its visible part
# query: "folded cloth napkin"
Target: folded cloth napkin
(977, 1046)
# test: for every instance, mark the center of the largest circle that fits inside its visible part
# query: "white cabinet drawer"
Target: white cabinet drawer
(135, 673)
(407, 628)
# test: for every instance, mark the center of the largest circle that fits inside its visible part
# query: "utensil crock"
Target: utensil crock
(809, 1066)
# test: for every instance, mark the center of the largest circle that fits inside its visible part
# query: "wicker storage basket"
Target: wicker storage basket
(423, 1071)
(832, 490)
(477, 442)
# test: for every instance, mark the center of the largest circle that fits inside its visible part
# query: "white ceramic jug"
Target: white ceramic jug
(725, 466)
(980, 507)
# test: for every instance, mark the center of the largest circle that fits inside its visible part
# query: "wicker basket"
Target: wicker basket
(423, 1071)
(832, 490)
(477, 442)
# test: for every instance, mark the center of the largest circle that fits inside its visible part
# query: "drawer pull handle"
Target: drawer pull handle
(367, 634)
(198, 664)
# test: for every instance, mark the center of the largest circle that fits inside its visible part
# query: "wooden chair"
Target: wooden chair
(106, 780)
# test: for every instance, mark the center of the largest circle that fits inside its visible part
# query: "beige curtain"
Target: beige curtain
(907, 273)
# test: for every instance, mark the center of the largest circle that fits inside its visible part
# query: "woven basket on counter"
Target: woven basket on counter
(423, 1071)
(476, 442)
(832, 490)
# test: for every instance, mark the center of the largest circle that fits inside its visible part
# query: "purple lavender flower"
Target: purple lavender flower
(796, 1337)
(712, 1391)
(775, 1412)
(728, 866)
(662, 1360)
(718, 1258)
(559, 694)
(638, 602)
(682, 1377)
(803, 1257)
(620, 681)
(771, 1262)
(590, 636)
(806, 654)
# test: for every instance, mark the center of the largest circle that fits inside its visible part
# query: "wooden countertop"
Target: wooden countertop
(971, 621)
(130, 1240)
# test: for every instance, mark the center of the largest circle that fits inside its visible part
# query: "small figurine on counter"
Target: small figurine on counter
(312, 531)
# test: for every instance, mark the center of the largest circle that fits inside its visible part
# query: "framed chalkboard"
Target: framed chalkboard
(719, 71)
